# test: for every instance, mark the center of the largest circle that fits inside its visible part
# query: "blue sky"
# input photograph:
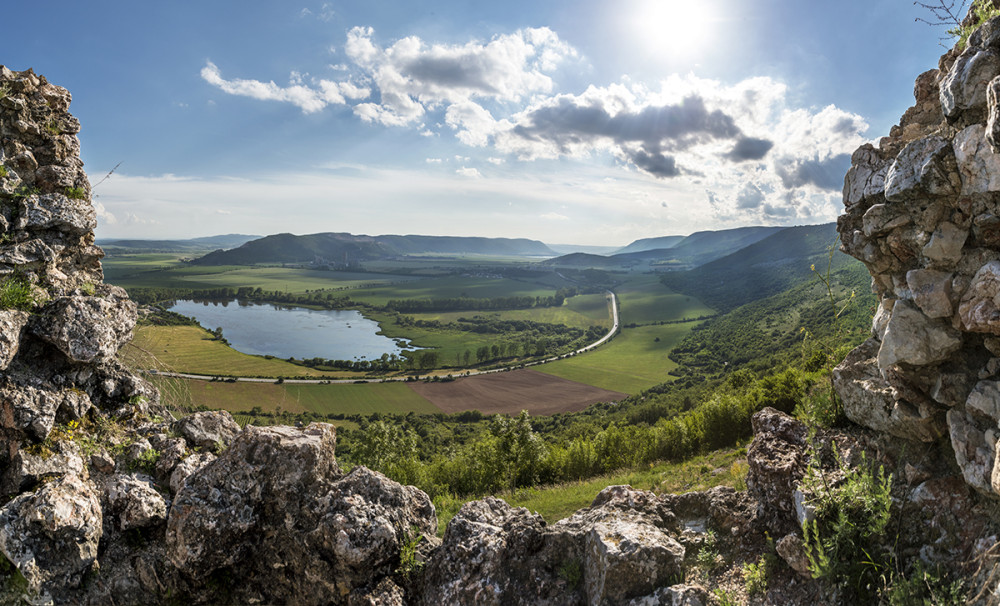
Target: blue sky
(584, 122)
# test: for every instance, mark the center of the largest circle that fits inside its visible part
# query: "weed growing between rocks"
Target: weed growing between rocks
(845, 542)
(16, 293)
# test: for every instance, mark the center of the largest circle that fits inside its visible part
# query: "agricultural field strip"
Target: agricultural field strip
(613, 300)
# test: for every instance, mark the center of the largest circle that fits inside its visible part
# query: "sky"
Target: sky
(572, 122)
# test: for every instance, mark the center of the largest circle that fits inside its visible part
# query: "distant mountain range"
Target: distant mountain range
(348, 249)
(189, 245)
(671, 252)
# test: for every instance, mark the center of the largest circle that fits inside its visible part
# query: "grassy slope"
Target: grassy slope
(631, 362)
(644, 299)
(726, 467)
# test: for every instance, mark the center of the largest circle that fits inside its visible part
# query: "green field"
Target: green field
(192, 349)
(645, 300)
(581, 311)
(167, 271)
(633, 361)
(451, 287)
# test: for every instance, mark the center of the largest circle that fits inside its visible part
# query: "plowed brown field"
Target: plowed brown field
(514, 391)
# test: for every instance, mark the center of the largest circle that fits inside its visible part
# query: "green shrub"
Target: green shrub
(983, 11)
(76, 193)
(3, 171)
(15, 293)
(924, 588)
(845, 543)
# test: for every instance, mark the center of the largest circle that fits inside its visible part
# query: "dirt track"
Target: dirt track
(512, 392)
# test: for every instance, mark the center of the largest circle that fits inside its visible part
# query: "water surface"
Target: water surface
(293, 332)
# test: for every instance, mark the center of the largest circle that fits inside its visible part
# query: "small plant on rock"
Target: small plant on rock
(16, 293)
(76, 193)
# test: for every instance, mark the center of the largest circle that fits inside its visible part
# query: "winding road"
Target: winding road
(612, 301)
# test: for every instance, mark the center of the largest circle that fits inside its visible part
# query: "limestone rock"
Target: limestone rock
(12, 322)
(978, 164)
(913, 338)
(134, 502)
(866, 177)
(29, 467)
(791, 549)
(931, 291)
(87, 329)
(187, 466)
(925, 167)
(978, 309)
(777, 463)
(620, 548)
(51, 535)
(973, 453)
(675, 595)
(871, 402)
(209, 430)
(347, 531)
(963, 89)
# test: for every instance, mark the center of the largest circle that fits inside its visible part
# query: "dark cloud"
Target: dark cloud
(749, 148)
(459, 71)
(824, 174)
(655, 164)
(668, 127)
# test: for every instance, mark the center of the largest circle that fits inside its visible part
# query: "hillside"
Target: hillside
(650, 244)
(349, 249)
(690, 251)
(763, 268)
(224, 242)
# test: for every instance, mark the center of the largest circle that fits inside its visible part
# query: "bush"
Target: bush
(845, 543)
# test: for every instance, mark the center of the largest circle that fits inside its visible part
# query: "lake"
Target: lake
(287, 332)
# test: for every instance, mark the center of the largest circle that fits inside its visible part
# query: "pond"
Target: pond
(286, 332)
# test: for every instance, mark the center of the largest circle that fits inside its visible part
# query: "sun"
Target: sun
(673, 27)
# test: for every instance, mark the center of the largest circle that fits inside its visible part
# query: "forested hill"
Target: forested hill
(764, 268)
(690, 251)
(190, 245)
(650, 244)
(347, 249)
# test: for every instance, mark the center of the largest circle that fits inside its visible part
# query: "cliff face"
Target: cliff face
(923, 214)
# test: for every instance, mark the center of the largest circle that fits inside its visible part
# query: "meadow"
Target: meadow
(634, 360)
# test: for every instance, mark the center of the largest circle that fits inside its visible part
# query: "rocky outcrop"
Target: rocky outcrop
(929, 232)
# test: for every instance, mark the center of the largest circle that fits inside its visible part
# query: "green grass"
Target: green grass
(644, 300)
(365, 399)
(449, 287)
(725, 467)
(581, 311)
(192, 349)
(633, 361)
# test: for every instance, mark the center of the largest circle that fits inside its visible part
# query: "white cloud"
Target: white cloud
(434, 160)
(743, 151)
(554, 217)
(471, 173)
(103, 214)
(309, 99)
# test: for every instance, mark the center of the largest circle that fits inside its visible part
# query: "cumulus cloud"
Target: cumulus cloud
(749, 148)
(309, 98)
(755, 154)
